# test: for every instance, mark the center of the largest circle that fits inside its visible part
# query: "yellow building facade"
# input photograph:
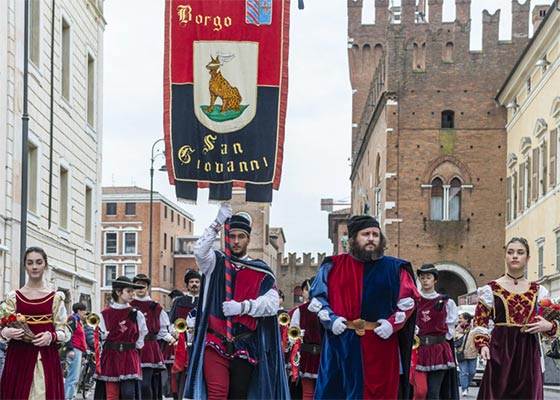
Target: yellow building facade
(531, 95)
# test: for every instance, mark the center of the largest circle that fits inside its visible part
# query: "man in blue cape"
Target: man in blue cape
(251, 365)
(366, 301)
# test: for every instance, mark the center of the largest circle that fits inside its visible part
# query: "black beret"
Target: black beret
(240, 223)
(358, 222)
(191, 274)
(175, 293)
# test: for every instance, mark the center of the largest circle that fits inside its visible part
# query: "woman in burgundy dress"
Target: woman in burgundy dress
(33, 369)
(123, 329)
(511, 349)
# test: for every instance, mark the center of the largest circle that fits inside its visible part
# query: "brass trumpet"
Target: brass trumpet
(284, 319)
(92, 320)
(416, 342)
(294, 333)
(180, 325)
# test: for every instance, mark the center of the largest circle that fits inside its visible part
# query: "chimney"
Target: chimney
(538, 15)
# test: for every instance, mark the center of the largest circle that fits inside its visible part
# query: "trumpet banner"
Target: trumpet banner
(225, 92)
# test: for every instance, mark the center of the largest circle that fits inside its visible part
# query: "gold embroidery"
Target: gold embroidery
(35, 302)
(519, 302)
(38, 319)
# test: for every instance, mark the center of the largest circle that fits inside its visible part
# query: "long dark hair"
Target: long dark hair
(35, 249)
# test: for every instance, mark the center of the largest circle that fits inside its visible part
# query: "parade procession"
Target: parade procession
(157, 155)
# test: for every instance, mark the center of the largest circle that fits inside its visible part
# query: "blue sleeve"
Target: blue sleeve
(320, 291)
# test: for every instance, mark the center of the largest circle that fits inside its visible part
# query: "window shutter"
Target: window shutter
(508, 200)
(514, 196)
(544, 168)
(521, 184)
(535, 172)
(529, 186)
(553, 155)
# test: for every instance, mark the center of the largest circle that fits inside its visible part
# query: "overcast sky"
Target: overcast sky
(318, 124)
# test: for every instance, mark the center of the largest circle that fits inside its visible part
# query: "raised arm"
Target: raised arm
(203, 249)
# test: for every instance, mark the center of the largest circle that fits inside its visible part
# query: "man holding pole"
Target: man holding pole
(237, 351)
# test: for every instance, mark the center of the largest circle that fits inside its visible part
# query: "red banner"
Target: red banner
(225, 91)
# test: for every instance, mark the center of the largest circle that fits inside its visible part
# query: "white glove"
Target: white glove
(314, 305)
(191, 321)
(385, 330)
(339, 326)
(302, 332)
(324, 315)
(231, 307)
(223, 213)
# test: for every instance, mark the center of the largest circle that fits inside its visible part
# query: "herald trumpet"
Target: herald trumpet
(180, 325)
(284, 319)
(416, 342)
(92, 320)
(294, 333)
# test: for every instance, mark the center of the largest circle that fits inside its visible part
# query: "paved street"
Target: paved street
(550, 393)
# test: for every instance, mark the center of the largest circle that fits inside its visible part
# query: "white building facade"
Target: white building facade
(65, 141)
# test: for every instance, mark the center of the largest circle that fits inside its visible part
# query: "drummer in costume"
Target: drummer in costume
(368, 303)
(157, 321)
(181, 308)
(251, 365)
(122, 329)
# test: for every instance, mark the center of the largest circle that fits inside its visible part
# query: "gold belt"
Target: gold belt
(360, 326)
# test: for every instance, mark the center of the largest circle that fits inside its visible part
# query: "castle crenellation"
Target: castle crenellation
(387, 55)
(306, 260)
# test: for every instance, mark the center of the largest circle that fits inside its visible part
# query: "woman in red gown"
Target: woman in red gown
(513, 369)
(33, 370)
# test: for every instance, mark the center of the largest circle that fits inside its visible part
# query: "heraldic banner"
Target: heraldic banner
(225, 91)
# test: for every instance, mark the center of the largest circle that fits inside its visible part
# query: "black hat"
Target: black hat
(358, 222)
(124, 282)
(240, 223)
(191, 274)
(175, 293)
(428, 269)
(307, 283)
(143, 278)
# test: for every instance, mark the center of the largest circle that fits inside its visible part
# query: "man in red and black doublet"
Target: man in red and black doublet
(367, 307)
(181, 308)
(157, 321)
(435, 376)
(122, 329)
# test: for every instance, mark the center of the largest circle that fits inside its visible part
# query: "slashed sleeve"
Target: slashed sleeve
(408, 299)
(60, 319)
(481, 333)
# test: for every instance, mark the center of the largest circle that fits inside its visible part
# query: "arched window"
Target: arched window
(455, 200)
(436, 209)
(448, 119)
(297, 295)
(448, 52)
(446, 200)
(419, 57)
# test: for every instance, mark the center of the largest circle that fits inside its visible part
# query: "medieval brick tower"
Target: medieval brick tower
(428, 139)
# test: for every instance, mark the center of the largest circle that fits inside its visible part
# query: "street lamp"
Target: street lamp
(163, 168)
